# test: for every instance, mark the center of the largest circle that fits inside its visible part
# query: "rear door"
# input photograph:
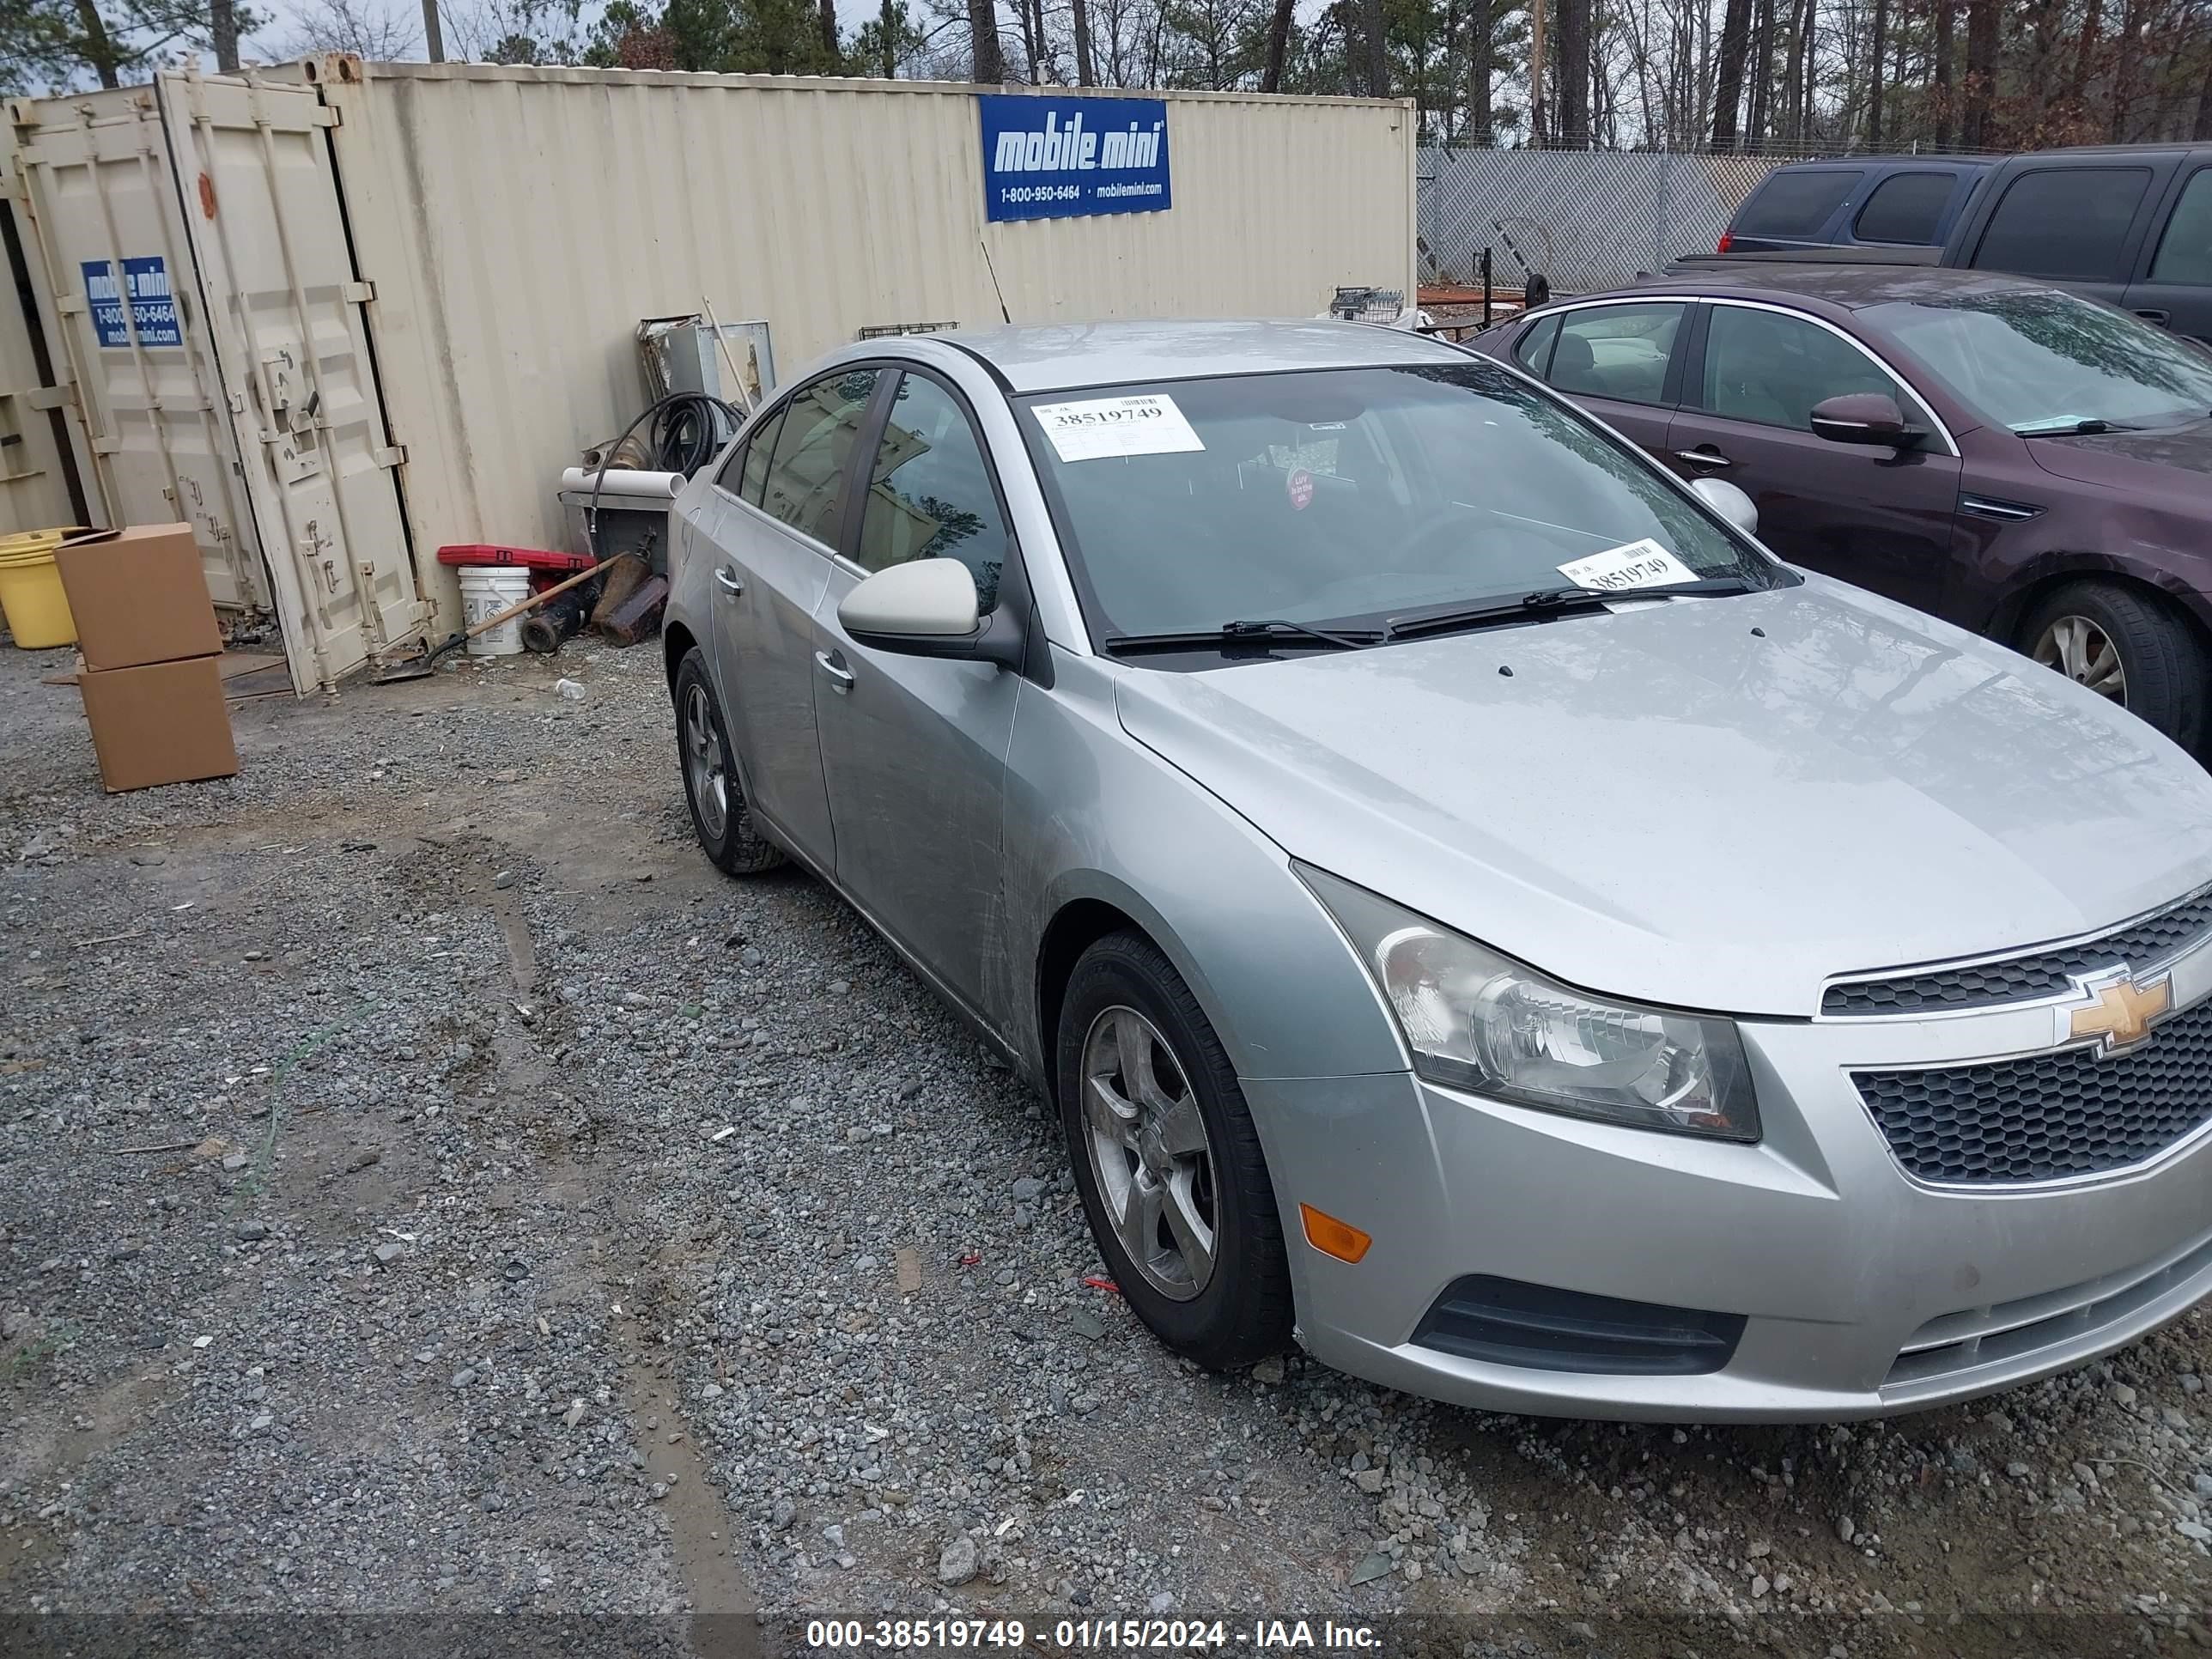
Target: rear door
(2080, 225)
(2176, 288)
(1793, 207)
(1877, 517)
(773, 542)
(1620, 360)
(285, 311)
(1910, 208)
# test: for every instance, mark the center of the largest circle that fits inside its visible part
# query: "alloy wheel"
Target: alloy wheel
(1149, 1152)
(2084, 653)
(702, 763)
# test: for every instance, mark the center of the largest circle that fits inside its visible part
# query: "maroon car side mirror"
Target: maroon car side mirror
(1863, 417)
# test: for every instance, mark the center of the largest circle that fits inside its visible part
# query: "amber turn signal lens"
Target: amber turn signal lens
(1333, 1238)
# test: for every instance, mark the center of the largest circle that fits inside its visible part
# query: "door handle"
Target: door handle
(2155, 315)
(840, 676)
(1707, 456)
(729, 583)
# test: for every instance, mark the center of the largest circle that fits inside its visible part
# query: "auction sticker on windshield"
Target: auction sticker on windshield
(1099, 428)
(1642, 563)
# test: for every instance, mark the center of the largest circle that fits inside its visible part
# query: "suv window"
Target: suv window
(1762, 366)
(2185, 254)
(1906, 207)
(1533, 352)
(820, 422)
(1795, 204)
(929, 492)
(747, 467)
(1616, 351)
(2067, 223)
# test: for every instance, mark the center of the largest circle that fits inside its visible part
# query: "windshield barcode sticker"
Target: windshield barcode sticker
(1100, 428)
(1642, 563)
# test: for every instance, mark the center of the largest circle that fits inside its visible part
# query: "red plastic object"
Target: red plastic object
(1098, 1284)
(1727, 241)
(536, 558)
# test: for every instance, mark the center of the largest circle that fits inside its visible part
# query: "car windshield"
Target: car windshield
(1352, 495)
(2043, 361)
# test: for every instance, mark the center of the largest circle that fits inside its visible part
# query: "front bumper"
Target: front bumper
(1863, 1290)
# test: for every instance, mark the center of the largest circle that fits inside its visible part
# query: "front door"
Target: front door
(1875, 516)
(773, 539)
(914, 748)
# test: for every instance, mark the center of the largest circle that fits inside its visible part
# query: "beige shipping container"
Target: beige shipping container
(515, 224)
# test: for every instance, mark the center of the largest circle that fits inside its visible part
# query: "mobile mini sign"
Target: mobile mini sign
(1059, 158)
(153, 305)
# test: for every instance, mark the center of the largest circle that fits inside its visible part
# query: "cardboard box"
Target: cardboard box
(138, 596)
(163, 723)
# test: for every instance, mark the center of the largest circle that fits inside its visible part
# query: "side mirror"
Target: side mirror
(1863, 417)
(1731, 503)
(928, 608)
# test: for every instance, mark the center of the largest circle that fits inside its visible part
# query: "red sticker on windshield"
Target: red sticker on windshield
(1300, 484)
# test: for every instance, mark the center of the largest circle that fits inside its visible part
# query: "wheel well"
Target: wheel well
(675, 642)
(1079, 925)
(2012, 614)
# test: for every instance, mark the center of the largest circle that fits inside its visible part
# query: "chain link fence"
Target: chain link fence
(1586, 219)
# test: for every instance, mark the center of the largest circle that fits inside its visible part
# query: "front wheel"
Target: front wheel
(1167, 1158)
(2130, 648)
(719, 815)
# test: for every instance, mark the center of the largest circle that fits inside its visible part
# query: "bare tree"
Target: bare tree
(1879, 45)
(1981, 73)
(1945, 48)
(983, 32)
(1727, 82)
(364, 28)
(223, 28)
(1376, 28)
(1279, 43)
(1079, 22)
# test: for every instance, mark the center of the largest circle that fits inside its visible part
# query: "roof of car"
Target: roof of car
(1062, 356)
(1847, 285)
(1899, 160)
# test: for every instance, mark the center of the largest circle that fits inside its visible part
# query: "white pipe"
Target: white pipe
(621, 480)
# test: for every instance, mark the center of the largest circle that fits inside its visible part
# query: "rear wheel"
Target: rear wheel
(719, 817)
(1167, 1158)
(2130, 648)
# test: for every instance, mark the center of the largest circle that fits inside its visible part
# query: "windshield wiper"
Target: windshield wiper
(1254, 635)
(2089, 427)
(1552, 601)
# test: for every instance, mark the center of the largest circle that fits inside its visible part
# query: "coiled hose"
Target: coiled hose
(689, 430)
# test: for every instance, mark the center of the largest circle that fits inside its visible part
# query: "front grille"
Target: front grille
(2049, 1115)
(2140, 945)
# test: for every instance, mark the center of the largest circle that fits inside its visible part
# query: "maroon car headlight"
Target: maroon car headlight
(1481, 1022)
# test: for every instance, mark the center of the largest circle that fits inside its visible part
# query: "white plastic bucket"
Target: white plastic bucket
(487, 590)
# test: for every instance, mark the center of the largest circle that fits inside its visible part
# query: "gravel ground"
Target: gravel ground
(427, 1186)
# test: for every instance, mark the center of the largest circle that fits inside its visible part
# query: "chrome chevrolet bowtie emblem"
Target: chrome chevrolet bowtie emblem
(2119, 1013)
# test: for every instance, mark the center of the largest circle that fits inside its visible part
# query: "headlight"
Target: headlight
(1479, 1021)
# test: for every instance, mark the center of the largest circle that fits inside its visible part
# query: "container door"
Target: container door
(262, 211)
(103, 239)
(39, 478)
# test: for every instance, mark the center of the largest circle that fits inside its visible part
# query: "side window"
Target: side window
(929, 491)
(1534, 349)
(1906, 207)
(1793, 203)
(2185, 253)
(747, 468)
(2066, 222)
(1616, 351)
(1761, 366)
(820, 423)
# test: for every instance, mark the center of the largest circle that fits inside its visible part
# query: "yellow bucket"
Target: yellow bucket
(31, 590)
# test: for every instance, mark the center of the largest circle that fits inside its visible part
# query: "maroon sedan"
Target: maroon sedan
(2031, 465)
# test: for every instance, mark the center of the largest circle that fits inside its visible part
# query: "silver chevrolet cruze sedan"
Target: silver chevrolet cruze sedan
(1476, 913)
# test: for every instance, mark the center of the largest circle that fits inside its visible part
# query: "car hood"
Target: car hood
(1710, 803)
(2130, 460)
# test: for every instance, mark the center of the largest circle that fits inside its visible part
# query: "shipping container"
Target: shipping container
(402, 298)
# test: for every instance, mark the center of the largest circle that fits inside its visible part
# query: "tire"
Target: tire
(719, 815)
(1125, 996)
(2164, 675)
